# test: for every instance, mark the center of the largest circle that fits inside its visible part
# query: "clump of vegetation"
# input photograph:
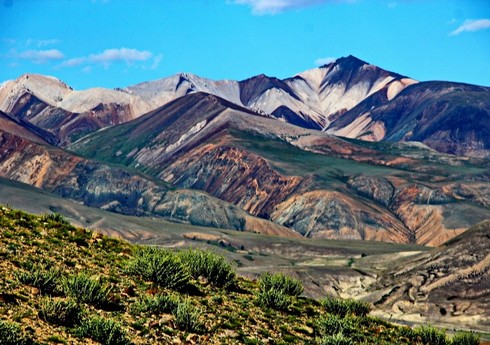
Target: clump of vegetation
(465, 338)
(157, 304)
(337, 339)
(280, 282)
(275, 299)
(61, 312)
(160, 266)
(55, 218)
(104, 331)
(188, 317)
(344, 307)
(46, 280)
(11, 334)
(213, 267)
(331, 325)
(276, 290)
(430, 335)
(85, 289)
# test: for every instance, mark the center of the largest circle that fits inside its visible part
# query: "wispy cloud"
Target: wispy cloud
(41, 56)
(42, 43)
(324, 61)
(261, 7)
(108, 56)
(472, 25)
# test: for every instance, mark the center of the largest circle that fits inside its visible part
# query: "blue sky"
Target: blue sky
(116, 43)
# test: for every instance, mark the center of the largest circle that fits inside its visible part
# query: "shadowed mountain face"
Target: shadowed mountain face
(448, 117)
(309, 181)
(449, 284)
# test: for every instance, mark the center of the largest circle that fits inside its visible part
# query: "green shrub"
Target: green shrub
(344, 307)
(273, 298)
(465, 338)
(210, 266)
(280, 282)
(104, 331)
(337, 339)
(11, 334)
(331, 324)
(60, 312)
(54, 218)
(161, 267)
(157, 304)
(87, 290)
(430, 336)
(188, 317)
(47, 281)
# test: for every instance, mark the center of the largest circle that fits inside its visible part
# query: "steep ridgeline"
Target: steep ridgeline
(311, 99)
(347, 97)
(27, 158)
(448, 117)
(314, 183)
(55, 107)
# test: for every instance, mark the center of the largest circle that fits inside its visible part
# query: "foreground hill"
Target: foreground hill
(314, 183)
(62, 284)
(450, 284)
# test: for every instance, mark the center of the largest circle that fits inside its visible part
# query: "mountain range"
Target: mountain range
(347, 151)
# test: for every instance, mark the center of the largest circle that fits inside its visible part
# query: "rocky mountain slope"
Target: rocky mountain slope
(26, 158)
(312, 182)
(348, 97)
(449, 284)
(448, 117)
(279, 150)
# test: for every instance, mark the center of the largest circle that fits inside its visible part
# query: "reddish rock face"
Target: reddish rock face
(311, 182)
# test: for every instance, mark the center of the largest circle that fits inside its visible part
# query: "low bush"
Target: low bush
(46, 280)
(161, 267)
(273, 298)
(60, 312)
(337, 339)
(188, 317)
(430, 336)
(104, 331)
(465, 338)
(280, 282)
(87, 290)
(11, 334)
(344, 307)
(331, 325)
(157, 304)
(211, 266)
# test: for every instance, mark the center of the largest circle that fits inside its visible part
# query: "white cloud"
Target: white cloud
(324, 61)
(73, 62)
(44, 43)
(41, 56)
(156, 61)
(261, 7)
(108, 56)
(122, 54)
(472, 25)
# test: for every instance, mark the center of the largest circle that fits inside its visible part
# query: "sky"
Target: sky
(118, 43)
